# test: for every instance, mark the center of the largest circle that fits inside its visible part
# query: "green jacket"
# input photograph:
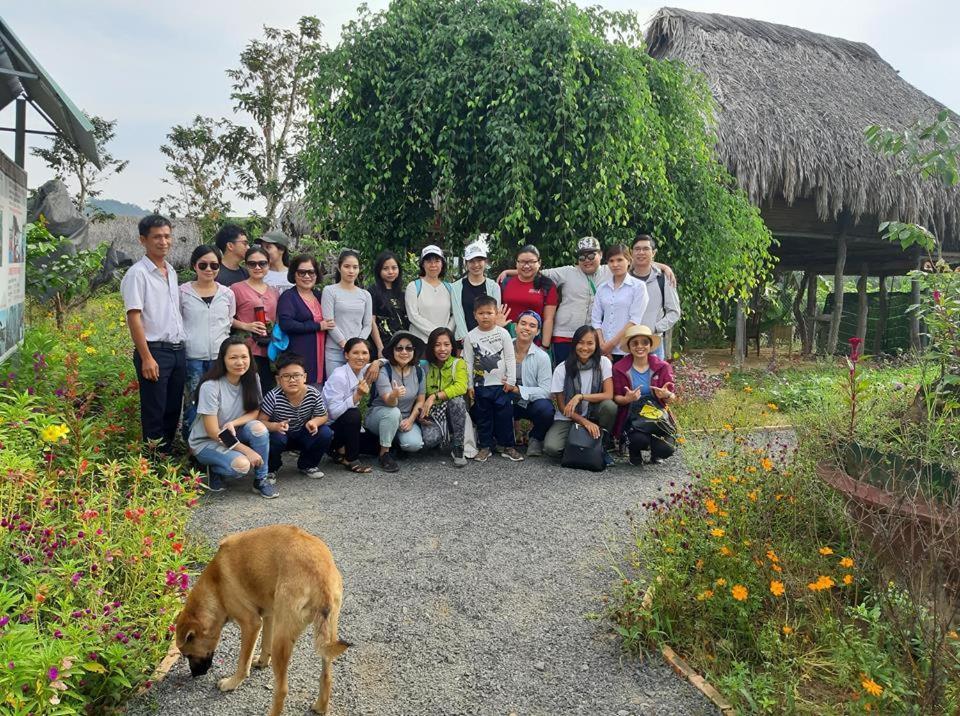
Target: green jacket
(451, 377)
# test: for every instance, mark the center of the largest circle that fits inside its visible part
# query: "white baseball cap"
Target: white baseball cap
(475, 251)
(431, 250)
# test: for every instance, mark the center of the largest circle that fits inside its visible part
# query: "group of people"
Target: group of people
(258, 360)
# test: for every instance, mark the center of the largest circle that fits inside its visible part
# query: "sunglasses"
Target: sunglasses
(404, 349)
(589, 256)
(306, 273)
(258, 264)
(204, 265)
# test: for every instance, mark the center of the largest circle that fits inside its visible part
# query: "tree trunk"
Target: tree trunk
(740, 341)
(798, 318)
(837, 293)
(914, 316)
(882, 310)
(863, 306)
(810, 334)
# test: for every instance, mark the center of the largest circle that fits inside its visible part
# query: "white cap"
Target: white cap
(475, 251)
(432, 249)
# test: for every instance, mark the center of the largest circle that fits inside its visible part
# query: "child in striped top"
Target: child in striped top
(295, 415)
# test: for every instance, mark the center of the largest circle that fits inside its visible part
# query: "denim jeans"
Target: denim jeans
(220, 458)
(195, 370)
(312, 447)
(385, 422)
(493, 416)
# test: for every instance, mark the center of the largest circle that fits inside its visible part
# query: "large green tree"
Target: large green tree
(534, 120)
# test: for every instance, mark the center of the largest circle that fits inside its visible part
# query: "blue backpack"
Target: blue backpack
(419, 284)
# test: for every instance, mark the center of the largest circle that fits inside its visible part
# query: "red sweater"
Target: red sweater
(661, 374)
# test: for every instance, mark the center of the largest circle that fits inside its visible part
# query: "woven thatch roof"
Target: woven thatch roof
(793, 107)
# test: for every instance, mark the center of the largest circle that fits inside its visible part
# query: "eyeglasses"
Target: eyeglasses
(306, 273)
(404, 349)
(587, 256)
(642, 249)
(242, 242)
(258, 264)
(292, 376)
(531, 262)
(212, 266)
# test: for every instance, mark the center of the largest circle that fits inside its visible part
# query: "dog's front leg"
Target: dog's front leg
(266, 639)
(249, 631)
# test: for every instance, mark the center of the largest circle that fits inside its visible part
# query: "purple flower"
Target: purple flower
(4, 620)
(54, 673)
(75, 578)
(57, 634)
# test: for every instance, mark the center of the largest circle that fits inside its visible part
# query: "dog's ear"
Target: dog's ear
(189, 637)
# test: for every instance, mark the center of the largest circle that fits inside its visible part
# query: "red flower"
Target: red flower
(177, 547)
(855, 344)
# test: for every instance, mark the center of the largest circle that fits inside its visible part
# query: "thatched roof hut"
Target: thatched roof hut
(792, 109)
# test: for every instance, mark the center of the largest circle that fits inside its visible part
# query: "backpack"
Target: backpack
(419, 285)
(387, 367)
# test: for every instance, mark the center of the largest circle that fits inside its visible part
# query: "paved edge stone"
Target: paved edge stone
(684, 670)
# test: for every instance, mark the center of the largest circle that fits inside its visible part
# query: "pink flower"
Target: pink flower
(855, 344)
(936, 296)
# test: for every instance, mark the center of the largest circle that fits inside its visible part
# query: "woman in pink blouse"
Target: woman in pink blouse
(252, 295)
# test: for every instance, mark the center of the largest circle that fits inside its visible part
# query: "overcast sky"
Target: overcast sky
(153, 65)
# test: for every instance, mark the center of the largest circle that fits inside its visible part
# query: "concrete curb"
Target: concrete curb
(163, 668)
(684, 670)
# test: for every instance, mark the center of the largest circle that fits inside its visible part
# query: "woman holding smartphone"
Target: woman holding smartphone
(226, 435)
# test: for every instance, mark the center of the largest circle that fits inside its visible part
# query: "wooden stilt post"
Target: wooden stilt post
(740, 342)
(810, 333)
(914, 316)
(882, 309)
(798, 319)
(863, 307)
(837, 293)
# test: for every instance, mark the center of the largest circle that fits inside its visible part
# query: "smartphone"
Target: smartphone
(228, 438)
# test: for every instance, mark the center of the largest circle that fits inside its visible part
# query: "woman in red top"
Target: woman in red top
(530, 290)
(254, 294)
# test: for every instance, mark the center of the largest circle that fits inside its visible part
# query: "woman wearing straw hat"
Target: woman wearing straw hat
(642, 388)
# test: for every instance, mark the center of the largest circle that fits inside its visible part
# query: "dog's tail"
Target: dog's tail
(326, 643)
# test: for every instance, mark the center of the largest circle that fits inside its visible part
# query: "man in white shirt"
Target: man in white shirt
(152, 301)
(663, 306)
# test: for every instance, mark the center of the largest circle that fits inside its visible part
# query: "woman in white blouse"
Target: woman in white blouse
(429, 298)
(342, 393)
(619, 303)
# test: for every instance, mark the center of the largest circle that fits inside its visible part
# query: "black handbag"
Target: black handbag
(648, 415)
(583, 452)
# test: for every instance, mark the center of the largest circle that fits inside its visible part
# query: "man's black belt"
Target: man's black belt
(165, 345)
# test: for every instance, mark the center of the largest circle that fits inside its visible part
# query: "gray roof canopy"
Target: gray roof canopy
(20, 74)
(793, 106)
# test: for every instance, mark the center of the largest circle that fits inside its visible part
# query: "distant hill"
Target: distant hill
(119, 208)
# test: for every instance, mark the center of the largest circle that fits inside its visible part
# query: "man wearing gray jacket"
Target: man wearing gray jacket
(663, 307)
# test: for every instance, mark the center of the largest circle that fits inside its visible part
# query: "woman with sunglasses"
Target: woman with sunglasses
(207, 309)
(301, 317)
(256, 308)
(398, 402)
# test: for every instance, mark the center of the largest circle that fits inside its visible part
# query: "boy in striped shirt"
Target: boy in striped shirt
(296, 417)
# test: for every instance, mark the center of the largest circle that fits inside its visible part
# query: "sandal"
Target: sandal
(357, 466)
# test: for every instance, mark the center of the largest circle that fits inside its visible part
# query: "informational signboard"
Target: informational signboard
(13, 254)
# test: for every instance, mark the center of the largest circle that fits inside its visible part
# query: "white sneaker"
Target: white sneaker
(315, 472)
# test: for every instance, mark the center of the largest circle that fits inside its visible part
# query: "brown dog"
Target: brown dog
(279, 577)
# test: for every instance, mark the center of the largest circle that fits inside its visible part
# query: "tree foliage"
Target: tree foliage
(271, 87)
(197, 169)
(70, 164)
(534, 120)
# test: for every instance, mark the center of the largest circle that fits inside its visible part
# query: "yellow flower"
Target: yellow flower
(721, 582)
(739, 592)
(699, 564)
(848, 579)
(726, 551)
(773, 406)
(728, 427)
(871, 686)
(787, 629)
(91, 350)
(681, 441)
(54, 433)
(704, 595)
(953, 635)
(776, 568)
(826, 551)
(772, 556)
(747, 389)
(846, 562)
(776, 588)
(722, 453)
(717, 532)
(723, 513)
(711, 506)
(752, 495)
(766, 464)
(751, 469)
(823, 582)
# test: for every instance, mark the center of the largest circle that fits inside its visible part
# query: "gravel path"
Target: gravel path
(465, 592)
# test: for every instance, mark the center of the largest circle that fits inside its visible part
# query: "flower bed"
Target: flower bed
(93, 550)
(758, 582)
